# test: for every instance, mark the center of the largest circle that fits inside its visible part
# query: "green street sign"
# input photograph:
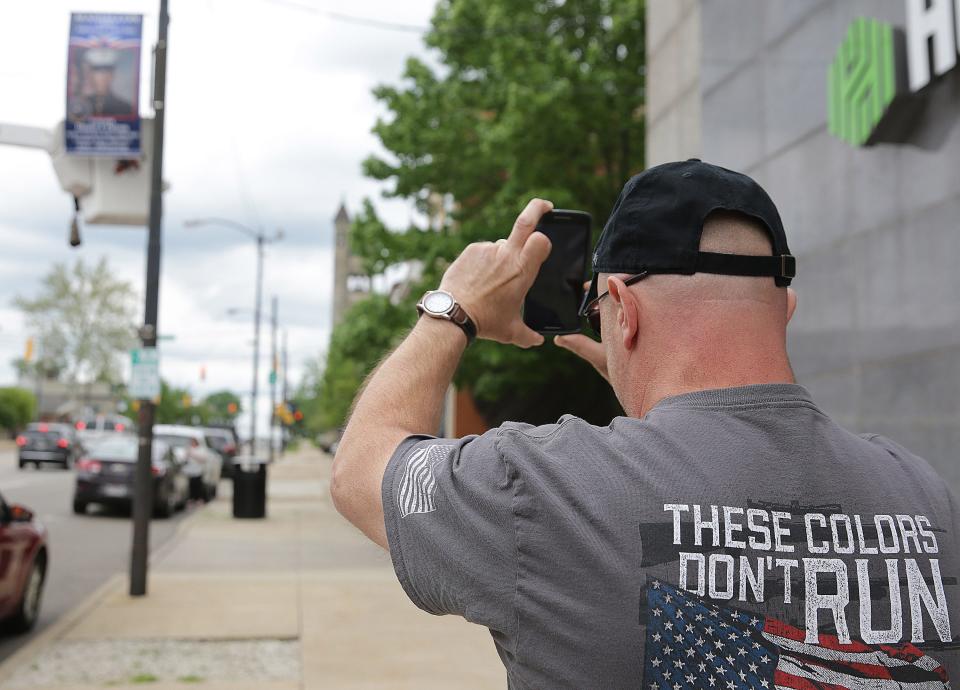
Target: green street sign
(144, 373)
(862, 81)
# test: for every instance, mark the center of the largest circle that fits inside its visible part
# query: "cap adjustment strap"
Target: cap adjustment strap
(781, 266)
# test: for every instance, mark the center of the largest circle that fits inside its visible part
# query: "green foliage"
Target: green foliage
(17, 407)
(369, 329)
(83, 321)
(532, 99)
(219, 404)
(178, 406)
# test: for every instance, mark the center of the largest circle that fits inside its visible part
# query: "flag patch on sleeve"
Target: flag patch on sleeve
(418, 483)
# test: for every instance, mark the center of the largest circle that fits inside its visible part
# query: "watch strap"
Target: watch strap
(462, 319)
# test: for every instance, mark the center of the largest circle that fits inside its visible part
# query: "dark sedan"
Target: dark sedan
(105, 476)
(23, 567)
(43, 442)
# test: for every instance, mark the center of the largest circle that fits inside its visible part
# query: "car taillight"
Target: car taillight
(21, 440)
(80, 426)
(88, 465)
(119, 427)
(63, 443)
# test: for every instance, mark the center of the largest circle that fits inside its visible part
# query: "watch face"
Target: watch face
(438, 302)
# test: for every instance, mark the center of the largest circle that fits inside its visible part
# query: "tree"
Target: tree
(17, 408)
(83, 321)
(533, 99)
(178, 406)
(223, 405)
(369, 329)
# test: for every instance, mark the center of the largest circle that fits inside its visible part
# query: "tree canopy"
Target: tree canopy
(178, 406)
(17, 407)
(83, 322)
(530, 99)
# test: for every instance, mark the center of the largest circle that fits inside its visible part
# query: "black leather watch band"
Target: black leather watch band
(462, 319)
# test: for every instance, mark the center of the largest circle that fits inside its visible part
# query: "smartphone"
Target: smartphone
(553, 301)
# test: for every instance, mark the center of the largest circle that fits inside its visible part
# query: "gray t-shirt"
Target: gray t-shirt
(733, 538)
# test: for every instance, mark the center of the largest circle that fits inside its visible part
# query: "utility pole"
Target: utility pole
(38, 380)
(283, 391)
(256, 345)
(273, 375)
(261, 240)
(143, 479)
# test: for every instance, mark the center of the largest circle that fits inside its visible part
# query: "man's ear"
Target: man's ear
(791, 303)
(627, 311)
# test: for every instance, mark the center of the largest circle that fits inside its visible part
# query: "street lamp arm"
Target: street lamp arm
(226, 222)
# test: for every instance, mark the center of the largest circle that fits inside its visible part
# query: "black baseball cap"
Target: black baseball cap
(657, 221)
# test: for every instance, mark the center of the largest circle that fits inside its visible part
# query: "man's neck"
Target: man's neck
(680, 375)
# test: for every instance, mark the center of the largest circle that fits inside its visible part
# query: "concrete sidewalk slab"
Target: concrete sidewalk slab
(189, 685)
(223, 606)
(360, 631)
(186, 685)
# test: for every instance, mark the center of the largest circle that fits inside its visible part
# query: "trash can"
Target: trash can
(249, 486)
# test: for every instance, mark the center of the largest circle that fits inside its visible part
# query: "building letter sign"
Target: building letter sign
(868, 72)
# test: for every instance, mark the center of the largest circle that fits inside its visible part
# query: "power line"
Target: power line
(351, 19)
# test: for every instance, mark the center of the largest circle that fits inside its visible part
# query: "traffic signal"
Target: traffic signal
(232, 408)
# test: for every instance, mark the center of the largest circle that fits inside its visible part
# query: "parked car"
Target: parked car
(203, 464)
(91, 429)
(105, 475)
(43, 442)
(224, 442)
(23, 566)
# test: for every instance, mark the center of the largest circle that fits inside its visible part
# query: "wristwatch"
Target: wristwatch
(439, 304)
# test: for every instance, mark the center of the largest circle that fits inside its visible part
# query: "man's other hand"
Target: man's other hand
(491, 279)
(587, 348)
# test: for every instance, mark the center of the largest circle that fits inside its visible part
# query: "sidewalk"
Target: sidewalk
(299, 600)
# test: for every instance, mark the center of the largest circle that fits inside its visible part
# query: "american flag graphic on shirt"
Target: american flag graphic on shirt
(418, 483)
(693, 643)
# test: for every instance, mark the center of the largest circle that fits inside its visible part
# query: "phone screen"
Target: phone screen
(554, 298)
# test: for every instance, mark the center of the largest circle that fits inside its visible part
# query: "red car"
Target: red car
(23, 566)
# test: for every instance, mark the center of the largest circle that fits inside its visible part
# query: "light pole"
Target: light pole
(142, 479)
(273, 373)
(261, 240)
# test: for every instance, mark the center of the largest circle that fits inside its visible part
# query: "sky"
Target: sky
(269, 112)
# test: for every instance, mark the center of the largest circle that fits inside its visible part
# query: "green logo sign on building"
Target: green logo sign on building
(877, 78)
(862, 81)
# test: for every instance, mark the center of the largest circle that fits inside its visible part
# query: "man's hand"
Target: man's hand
(587, 348)
(491, 279)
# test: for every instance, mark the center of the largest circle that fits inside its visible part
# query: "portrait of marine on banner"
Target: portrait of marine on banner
(103, 85)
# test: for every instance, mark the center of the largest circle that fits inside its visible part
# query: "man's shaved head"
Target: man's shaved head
(701, 327)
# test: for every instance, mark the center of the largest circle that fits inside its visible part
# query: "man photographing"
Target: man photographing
(725, 533)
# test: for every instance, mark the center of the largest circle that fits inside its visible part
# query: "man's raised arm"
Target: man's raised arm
(404, 395)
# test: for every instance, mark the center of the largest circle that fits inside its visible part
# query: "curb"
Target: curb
(61, 627)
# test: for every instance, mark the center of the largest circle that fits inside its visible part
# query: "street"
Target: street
(84, 550)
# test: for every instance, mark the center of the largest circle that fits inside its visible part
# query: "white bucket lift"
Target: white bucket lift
(109, 191)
